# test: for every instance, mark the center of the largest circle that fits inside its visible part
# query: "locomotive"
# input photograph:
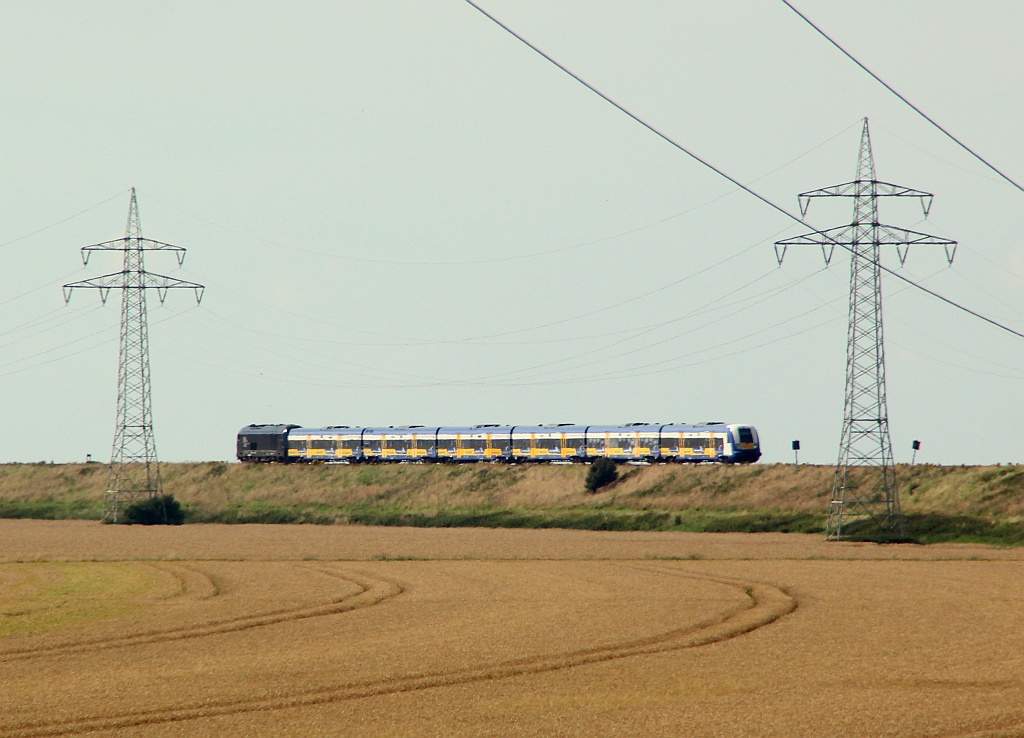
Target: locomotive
(565, 442)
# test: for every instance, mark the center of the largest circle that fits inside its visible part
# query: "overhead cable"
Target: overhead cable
(907, 102)
(723, 174)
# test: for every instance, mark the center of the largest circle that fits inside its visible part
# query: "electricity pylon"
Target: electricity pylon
(134, 470)
(864, 485)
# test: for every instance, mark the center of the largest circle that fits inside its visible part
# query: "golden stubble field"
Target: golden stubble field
(214, 630)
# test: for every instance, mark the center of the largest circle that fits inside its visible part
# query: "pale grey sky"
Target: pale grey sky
(403, 215)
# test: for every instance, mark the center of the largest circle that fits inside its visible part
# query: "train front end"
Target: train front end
(265, 443)
(746, 445)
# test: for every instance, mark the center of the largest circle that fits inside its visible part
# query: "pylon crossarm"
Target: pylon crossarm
(118, 244)
(888, 189)
(104, 284)
(804, 198)
(847, 189)
(856, 189)
(162, 283)
(828, 240)
(151, 245)
(126, 243)
(892, 236)
(838, 236)
(903, 239)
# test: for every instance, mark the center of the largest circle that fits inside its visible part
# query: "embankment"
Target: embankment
(941, 503)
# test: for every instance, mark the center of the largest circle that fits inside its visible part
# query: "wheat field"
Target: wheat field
(212, 630)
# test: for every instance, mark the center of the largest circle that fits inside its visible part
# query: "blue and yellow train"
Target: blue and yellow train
(651, 442)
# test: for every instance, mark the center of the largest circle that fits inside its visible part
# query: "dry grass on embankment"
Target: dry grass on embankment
(700, 497)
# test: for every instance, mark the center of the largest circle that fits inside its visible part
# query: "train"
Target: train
(564, 442)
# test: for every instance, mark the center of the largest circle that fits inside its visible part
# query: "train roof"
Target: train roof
(268, 429)
(393, 429)
(696, 427)
(627, 427)
(569, 428)
(331, 430)
(472, 430)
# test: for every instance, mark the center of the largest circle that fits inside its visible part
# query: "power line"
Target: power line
(746, 188)
(489, 260)
(62, 220)
(511, 257)
(705, 309)
(886, 85)
(411, 380)
(484, 339)
(952, 348)
(57, 318)
(1014, 377)
(322, 380)
(648, 370)
(64, 345)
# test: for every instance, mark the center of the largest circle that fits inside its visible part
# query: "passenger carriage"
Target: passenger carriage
(637, 442)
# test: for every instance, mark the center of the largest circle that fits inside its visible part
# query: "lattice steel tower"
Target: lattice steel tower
(134, 471)
(864, 485)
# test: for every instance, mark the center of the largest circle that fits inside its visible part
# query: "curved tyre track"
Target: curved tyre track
(764, 605)
(1009, 728)
(372, 590)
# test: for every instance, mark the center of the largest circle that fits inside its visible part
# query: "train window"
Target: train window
(648, 441)
(596, 442)
(746, 435)
(299, 444)
(670, 440)
(351, 444)
(622, 441)
(424, 442)
(473, 443)
(574, 442)
(551, 445)
(327, 444)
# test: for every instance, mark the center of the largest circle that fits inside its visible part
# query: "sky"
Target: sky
(403, 215)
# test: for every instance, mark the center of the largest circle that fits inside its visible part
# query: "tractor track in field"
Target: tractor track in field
(1006, 728)
(199, 585)
(764, 604)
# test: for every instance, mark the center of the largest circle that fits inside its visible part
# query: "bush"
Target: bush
(602, 473)
(159, 510)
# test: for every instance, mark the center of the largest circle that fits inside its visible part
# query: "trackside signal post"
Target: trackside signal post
(864, 485)
(134, 471)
